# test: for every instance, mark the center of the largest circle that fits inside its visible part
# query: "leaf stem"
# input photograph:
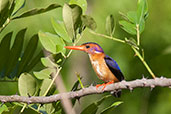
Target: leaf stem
(54, 78)
(144, 62)
(5, 24)
(79, 79)
(21, 111)
(29, 106)
(138, 34)
(109, 37)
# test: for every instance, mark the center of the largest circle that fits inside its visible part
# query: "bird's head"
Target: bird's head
(90, 48)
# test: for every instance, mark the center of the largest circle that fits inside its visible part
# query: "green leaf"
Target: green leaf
(12, 6)
(44, 86)
(4, 11)
(60, 48)
(3, 108)
(51, 41)
(92, 108)
(15, 53)
(44, 74)
(5, 49)
(110, 24)
(18, 5)
(135, 18)
(27, 85)
(112, 107)
(81, 3)
(117, 103)
(132, 17)
(28, 54)
(37, 11)
(75, 86)
(58, 108)
(48, 63)
(76, 14)
(142, 13)
(34, 61)
(68, 20)
(16, 108)
(49, 108)
(71, 17)
(142, 10)
(142, 26)
(58, 58)
(128, 27)
(60, 30)
(89, 22)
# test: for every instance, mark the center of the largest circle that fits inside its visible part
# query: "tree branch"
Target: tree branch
(152, 83)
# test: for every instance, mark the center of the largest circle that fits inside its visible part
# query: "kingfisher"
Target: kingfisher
(105, 67)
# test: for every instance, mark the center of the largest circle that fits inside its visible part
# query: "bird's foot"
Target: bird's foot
(104, 85)
(98, 85)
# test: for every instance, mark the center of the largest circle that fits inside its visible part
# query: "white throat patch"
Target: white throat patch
(96, 65)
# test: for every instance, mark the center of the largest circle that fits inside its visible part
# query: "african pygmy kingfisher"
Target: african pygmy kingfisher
(105, 67)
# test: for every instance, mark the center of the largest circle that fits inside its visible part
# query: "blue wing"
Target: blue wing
(114, 68)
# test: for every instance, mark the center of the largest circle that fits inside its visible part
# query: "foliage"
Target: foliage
(14, 60)
(92, 108)
(18, 60)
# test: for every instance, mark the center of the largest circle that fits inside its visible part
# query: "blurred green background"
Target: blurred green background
(156, 41)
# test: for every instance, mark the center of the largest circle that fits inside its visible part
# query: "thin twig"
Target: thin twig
(162, 82)
(144, 62)
(138, 34)
(79, 79)
(109, 37)
(5, 24)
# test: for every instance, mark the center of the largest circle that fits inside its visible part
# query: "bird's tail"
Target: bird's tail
(116, 93)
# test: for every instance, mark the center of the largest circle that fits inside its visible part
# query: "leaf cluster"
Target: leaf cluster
(14, 59)
(134, 18)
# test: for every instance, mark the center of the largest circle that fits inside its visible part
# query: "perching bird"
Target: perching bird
(105, 67)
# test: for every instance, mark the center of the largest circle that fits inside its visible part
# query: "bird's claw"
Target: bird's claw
(104, 85)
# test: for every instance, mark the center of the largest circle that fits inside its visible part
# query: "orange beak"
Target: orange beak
(81, 48)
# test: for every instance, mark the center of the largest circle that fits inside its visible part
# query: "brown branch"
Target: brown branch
(162, 82)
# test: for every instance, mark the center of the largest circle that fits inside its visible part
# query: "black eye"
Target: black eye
(87, 46)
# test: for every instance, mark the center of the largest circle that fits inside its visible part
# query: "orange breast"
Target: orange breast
(101, 69)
